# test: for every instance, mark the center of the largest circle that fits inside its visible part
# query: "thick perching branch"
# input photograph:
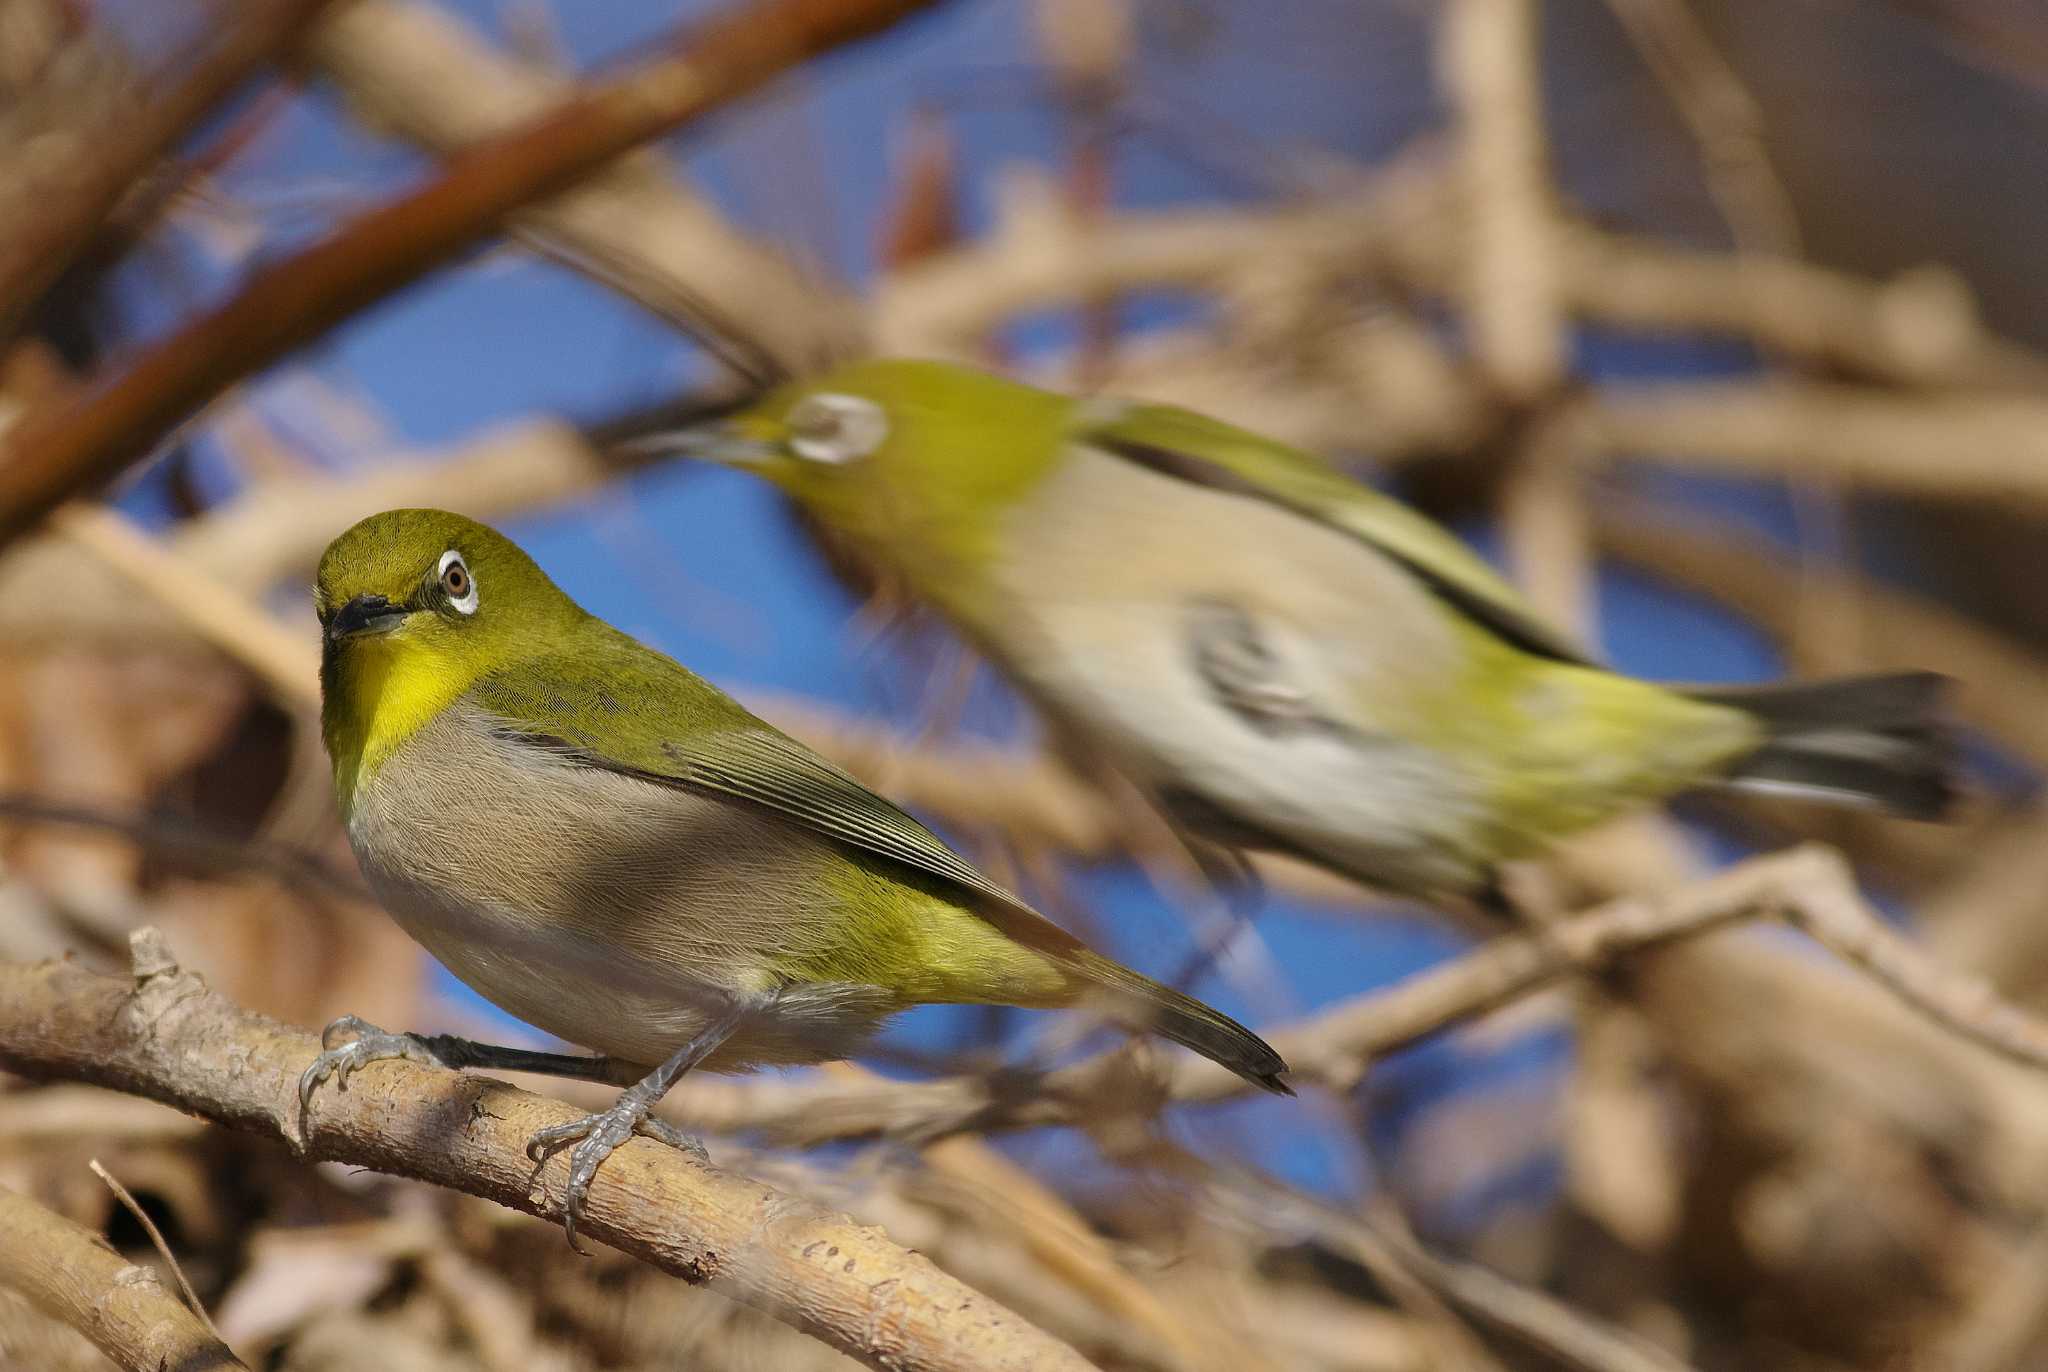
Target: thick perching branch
(164, 1035)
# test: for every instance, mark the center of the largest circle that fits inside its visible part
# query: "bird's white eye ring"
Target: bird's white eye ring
(835, 428)
(456, 581)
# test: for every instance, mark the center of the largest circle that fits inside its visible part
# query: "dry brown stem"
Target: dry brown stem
(156, 1239)
(1992, 448)
(1509, 281)
(164, 1035)
(69, 1273)
(85, 438)
(1573, 1338)
(1722, 117)
(286, 662)
(52, 590)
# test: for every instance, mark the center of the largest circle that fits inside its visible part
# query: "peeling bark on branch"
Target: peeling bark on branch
(164, 1035)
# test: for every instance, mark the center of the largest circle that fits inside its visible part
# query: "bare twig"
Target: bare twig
(1724, 121)
(92, 435)
(1012, 1198)
(288, 663)
(1576, 1339)
(166, 1036)
(1981, 447)
(51, 587)
(70, 1274)
(156, 1239)
(1831, 912)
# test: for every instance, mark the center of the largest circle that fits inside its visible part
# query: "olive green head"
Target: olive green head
(415, 607)
(919, 458)
(427, 578)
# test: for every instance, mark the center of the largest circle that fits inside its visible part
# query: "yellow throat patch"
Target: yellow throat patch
(384, 691)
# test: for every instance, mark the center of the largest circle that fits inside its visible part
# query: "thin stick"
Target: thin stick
(1810, 888)
(156, 1237)
(1531, 1317)
(70, 1274)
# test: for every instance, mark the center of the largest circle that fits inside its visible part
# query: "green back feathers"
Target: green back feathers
(1192, 447)
(621, 706)
(965, 446)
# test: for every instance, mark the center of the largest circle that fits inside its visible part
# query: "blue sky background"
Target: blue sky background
(704, 565)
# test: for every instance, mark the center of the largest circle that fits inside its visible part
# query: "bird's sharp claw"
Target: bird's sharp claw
(661, 1131)
(366, 1044)
(596, 1137)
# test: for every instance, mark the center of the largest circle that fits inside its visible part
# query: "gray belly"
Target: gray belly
(1100, 616)
(612, 913)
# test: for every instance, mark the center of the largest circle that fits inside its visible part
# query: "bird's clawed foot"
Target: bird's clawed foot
(595, 1137)
(366, 1044)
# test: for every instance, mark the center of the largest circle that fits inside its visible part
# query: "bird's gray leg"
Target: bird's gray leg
(595, 1136)
(366, 1043)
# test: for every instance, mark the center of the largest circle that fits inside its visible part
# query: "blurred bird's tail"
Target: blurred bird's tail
(1876, 741)
(1161, 1010)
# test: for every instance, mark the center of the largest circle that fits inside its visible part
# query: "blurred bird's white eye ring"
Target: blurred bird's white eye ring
(460, 586)
(835, 428)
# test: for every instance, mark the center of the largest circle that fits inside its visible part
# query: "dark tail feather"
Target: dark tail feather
(1878, 741)
(1186, 1021)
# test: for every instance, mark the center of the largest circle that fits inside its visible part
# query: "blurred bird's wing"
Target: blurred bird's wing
(1190, 447)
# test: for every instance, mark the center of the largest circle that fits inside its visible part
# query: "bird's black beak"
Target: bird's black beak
(366, 614)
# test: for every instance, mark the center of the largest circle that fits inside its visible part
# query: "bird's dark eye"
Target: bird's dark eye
(456, 582)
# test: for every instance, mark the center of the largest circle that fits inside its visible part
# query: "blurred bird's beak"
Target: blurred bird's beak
(743, 442)
(366, 614)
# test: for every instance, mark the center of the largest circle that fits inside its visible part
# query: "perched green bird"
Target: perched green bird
(1285, 658)
(607, 846)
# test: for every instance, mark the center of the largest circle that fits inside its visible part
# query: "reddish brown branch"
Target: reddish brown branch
(88, 437)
